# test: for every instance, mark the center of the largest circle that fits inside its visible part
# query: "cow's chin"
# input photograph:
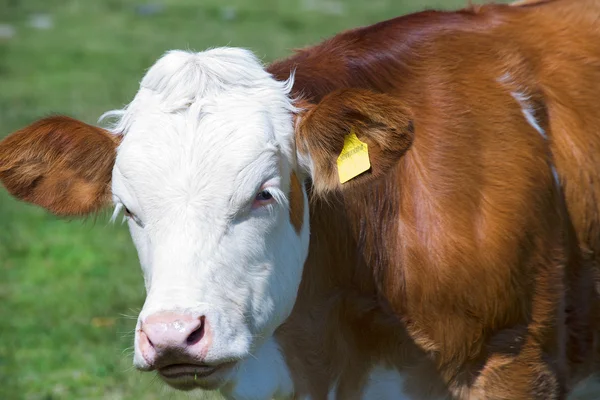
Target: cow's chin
(196, 376)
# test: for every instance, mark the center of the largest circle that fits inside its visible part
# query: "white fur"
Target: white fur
(263, 376)
(383, 384)
(523, 100)
(201, 136)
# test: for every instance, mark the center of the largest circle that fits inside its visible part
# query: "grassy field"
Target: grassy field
(70, 290)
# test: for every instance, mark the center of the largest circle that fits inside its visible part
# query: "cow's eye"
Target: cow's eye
(265, 195)
(127, 213)
(263, 198)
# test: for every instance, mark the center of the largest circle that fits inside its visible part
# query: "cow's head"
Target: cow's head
(205, 166)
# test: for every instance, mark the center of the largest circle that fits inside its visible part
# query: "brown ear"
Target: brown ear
(379, 120)
(61, 164)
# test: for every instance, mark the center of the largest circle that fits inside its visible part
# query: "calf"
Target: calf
(407, 210)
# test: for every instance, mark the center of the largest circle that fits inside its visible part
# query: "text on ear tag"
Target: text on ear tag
(354, 158)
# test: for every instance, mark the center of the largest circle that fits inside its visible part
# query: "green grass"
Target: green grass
(67, 286)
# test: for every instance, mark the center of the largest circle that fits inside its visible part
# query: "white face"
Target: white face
(205, 171)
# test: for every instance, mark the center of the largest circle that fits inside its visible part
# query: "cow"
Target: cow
(407, 210)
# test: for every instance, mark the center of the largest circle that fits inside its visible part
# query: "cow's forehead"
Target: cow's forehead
(193, 127)
(199, 156)
(225, 132)
(228, 82)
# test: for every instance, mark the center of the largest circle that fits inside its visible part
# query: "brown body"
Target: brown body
(458, 255)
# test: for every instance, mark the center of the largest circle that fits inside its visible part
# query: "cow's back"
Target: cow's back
(546, 53)
(566, 35)
(568, 44)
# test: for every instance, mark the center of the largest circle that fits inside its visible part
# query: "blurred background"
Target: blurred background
(70, 290)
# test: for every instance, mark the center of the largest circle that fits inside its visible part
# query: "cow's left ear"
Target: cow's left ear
(333, 135)
(61, 164)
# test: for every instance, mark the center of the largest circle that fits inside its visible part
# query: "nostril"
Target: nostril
(145, 339)
(196, 335)
(146, 347)
(149, 341)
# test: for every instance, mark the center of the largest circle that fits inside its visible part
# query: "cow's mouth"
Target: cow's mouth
(190, 376)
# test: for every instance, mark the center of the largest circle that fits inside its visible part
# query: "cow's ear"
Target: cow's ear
(61, 164)
(327, 134)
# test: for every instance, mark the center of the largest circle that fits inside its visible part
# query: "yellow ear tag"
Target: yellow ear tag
(354, 158)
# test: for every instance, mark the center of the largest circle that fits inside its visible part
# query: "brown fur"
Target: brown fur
(296, 203)
(61, 164)
(381, 121)
(456, 246)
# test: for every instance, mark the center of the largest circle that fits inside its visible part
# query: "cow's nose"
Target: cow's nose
(172, 334)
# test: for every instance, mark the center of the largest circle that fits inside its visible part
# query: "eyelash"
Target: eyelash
(129, 215)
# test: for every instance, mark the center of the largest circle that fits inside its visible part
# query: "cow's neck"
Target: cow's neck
(341, 331)
(340, 334)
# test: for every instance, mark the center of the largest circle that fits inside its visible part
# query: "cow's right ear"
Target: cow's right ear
(353, 136)
(61, 164)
